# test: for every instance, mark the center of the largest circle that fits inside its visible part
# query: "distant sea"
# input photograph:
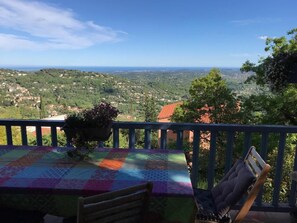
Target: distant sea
(114, 69)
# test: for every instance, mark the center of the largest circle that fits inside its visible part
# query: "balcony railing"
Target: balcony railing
(229, 135)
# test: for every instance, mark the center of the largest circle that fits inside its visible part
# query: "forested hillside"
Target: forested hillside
(51, 92)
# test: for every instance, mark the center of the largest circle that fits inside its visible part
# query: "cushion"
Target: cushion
(232, 187)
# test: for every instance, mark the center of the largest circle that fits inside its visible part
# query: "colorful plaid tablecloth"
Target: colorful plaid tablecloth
(46, 179)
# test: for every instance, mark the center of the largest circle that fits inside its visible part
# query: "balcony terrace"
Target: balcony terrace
(264, 209)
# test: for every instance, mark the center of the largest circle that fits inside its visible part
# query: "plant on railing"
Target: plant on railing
(99, 116)
(87, 126)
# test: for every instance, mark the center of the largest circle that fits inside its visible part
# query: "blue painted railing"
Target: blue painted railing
(231, 131)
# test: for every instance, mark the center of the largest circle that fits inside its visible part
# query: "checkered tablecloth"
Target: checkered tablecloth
(45, 178)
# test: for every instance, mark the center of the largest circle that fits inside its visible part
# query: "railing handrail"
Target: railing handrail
(163, 125)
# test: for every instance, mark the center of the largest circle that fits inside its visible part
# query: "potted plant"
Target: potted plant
(89, 125)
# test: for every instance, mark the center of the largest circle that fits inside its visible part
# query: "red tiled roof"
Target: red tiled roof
(168, 110)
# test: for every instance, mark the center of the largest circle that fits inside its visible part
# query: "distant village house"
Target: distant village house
(165, 116)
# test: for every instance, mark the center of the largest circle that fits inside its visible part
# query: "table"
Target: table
(46, 179)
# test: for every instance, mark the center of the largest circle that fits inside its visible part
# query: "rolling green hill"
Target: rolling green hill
(60, 91)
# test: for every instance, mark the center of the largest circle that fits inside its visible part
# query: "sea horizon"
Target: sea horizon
(113, 69)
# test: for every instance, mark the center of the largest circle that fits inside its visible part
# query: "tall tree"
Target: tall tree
(42, 108)
(278, 106)
(149, 109)
(211, 97)
(279, 68)
(210, 100)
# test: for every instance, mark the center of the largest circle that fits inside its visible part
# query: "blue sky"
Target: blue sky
(195, 33)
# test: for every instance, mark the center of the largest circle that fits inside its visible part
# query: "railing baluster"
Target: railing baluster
(212, 159)
(24, 135)
(292, 197)
(116, 134)
(68, 143)
(132, 138)
(195, 161)
(9, 135)
(39, 135)
(101, 144)
(179, 139)
(278, 171)
(54, 136)
(147, 138)
(264, 145)
(247, 143)
(263, 153)
(163, 142)
(229, 150)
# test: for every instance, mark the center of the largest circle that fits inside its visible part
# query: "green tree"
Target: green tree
(210, 100)
(149, 109)
(42, 108)
(277, 109)
(209, 96)
(277, 69)
(150, 113)
(279, 105)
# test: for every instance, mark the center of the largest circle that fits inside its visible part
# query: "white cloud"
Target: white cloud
(36, 25)
(11, 42)
(263, 37)
(245, 22)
